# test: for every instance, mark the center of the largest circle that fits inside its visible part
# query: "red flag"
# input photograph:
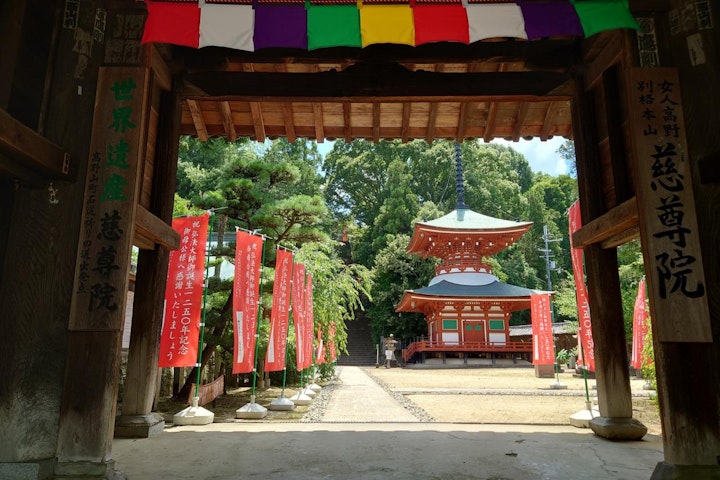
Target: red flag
(640, 326)
(277, 343)
(585, 338)
(308, 319)
(298, 294)
(183, 294)
(248, 254)
(320, 356)
(331, 342)
(543, 352)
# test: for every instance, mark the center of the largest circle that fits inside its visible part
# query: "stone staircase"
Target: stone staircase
(361, 350)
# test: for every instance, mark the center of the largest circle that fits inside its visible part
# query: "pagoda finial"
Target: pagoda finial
(459, 183)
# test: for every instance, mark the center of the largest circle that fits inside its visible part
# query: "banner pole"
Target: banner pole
(204, 308)
(257, 322)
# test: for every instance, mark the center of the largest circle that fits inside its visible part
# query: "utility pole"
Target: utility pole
(549, 266)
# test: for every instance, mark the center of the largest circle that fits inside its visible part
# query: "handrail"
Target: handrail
(428, 346)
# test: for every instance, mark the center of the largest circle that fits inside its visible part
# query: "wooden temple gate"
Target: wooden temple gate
(60, 347)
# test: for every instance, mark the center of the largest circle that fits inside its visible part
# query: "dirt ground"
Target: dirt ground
(469, 395)
(504, 395)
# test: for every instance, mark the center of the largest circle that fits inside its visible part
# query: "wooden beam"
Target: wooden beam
(405, 124)
(520, 121)
(609, 53)
(258, 122)
(376, 122)
(198, 120)
(379, 81)
(161, 71)
(548, 122)
(22, 145)
(432, 117)
(347, 122)
(462, 121)
(612, 223)
(155, 230)
(255, 108)
(319, 122)
(621, 238)
(228, 122)
(490, 125)
(289, 121)
(546, 53)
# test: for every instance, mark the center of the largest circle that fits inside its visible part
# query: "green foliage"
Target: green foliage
(338, 289)
(648, 354)
(396, 271)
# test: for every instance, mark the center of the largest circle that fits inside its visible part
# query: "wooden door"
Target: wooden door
(474, 331)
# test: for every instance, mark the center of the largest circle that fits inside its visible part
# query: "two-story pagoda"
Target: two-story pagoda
(466, 307)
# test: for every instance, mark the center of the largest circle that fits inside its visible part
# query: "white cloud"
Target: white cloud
(542, 156)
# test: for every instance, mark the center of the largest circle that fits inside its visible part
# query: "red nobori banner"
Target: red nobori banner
(543, 351)
(298, 309)
(308, 319)
(183, 294)
(640, 326)
(331, 341)
(248, 255)
(320, 356)
(277, 343)
(585, 338)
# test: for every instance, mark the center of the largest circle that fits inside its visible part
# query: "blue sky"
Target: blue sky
(542, 156)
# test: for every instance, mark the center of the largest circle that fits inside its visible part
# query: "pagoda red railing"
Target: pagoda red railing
(474, 347)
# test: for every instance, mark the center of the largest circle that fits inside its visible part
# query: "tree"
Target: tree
(254, 193)
(396, 271)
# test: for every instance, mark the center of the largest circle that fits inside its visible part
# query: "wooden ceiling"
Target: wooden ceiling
(504, 88)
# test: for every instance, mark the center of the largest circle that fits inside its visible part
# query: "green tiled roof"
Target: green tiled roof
(465, 219)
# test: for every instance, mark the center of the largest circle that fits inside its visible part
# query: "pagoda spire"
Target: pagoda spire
(459, 183)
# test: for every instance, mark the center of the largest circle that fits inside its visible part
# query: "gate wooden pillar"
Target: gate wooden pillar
(137, 419)
(680, 292)
(113, 220)
(598, 147)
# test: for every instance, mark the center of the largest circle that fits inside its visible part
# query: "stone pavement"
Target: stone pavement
(393, 445)
(360, 399)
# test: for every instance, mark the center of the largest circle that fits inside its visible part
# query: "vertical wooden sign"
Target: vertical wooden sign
(666, 207)
(111, 186)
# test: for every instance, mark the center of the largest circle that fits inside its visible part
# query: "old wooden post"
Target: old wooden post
(102, 268)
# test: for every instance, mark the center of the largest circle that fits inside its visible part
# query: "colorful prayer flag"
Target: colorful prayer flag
(600, 15)
(333, 26)
(183, 294)
(500, 20)
(175, 23)
(545, 19)
(231, 26)
(387, 24)
(440, 23)
(280, 26)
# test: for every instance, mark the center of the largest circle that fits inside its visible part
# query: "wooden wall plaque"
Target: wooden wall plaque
(666, 207)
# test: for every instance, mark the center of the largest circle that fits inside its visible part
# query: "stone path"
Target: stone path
(360, 399)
